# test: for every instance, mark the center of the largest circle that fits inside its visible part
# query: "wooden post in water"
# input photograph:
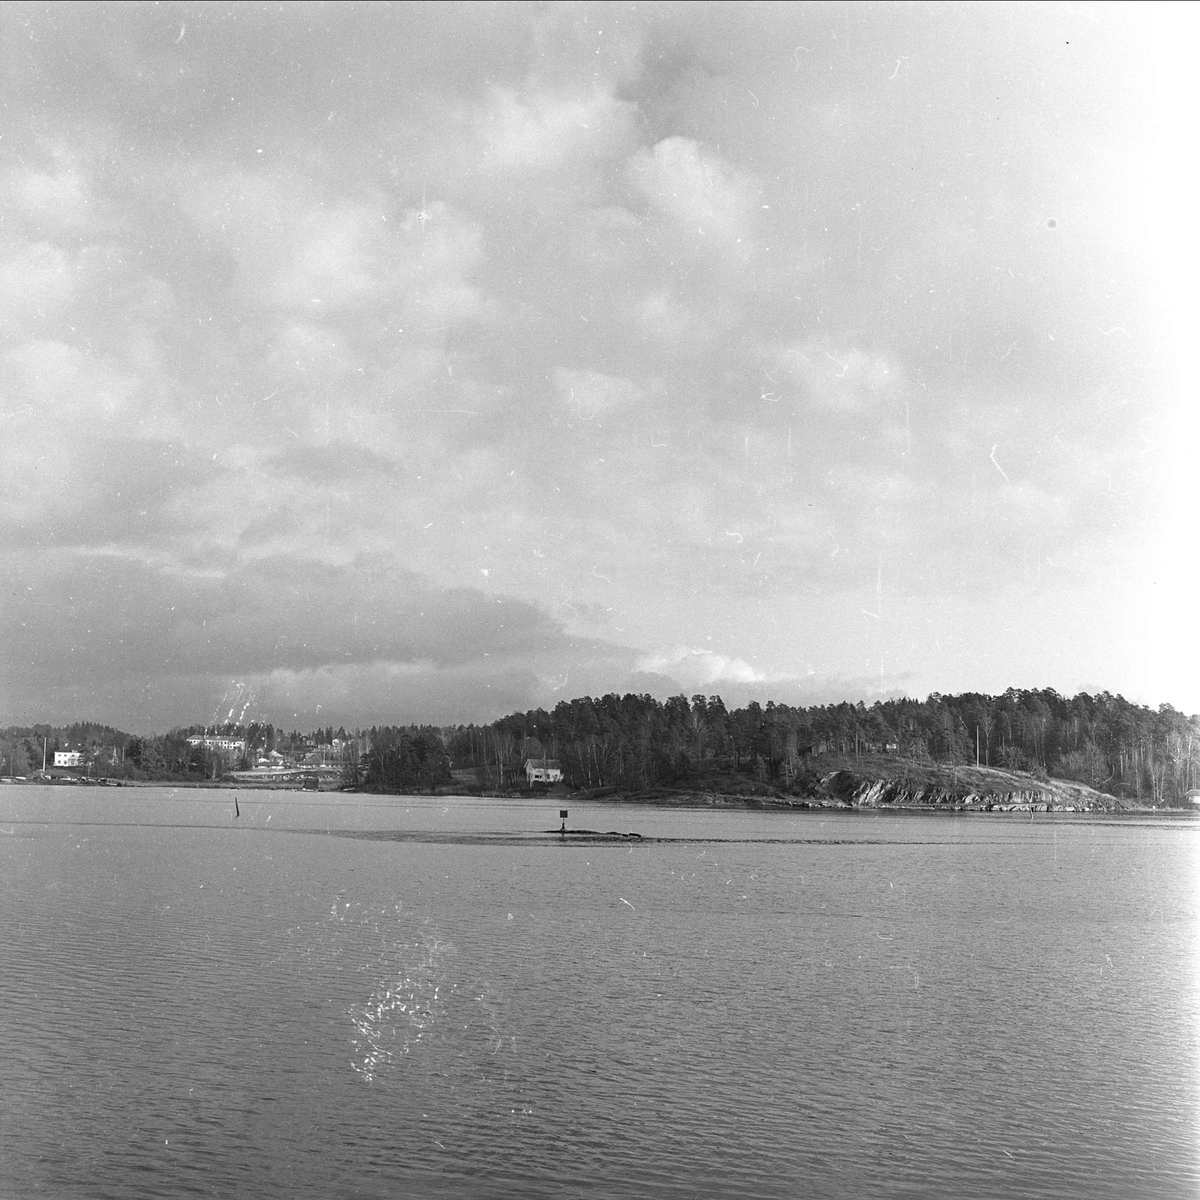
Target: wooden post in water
(562, 812)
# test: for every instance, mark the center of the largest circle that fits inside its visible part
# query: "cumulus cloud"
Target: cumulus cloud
(696, 189)
(295, 250)
(699, 668)
(539, 130)
(57, 195)
(678, 328)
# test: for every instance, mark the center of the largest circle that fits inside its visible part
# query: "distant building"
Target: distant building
(543, 770)
(228, 745)
(68, 758)
(1193, 797)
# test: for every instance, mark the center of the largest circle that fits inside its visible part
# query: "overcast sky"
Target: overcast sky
(369, 363)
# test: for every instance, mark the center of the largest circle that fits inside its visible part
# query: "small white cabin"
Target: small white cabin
(543, 770)
(1193, 797)
(68, 758)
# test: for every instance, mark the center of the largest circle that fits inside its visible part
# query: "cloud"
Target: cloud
(591, 395)
(839, 378)
(58, 199)
(699, 668)
(294, 250)
(118, 615)
(359, 639)
(56, 399)
(547, 339)
(540, 130)
(334, 463)
(696, 189)
(571, 41)
(677, 327)
(334, 260)
(37, 284)
(123, 491)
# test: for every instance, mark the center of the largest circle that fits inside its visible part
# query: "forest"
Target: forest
(635, 743)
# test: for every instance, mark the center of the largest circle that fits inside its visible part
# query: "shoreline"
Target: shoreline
(699, 799)
(277, 785)
(861, 793)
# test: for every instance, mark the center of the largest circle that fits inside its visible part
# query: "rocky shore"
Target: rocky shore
(980, 789)
(889, 784)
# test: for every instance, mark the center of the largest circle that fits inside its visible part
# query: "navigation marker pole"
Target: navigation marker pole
(562, 812)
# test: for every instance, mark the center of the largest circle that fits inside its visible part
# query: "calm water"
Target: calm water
(327, 997)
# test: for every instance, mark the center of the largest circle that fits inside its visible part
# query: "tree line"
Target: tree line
(114, 754)
(108, 752)
(637, 742)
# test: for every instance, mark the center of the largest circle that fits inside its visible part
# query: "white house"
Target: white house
(543, 770)
(1193, 797)
(68, 758)
(230, 745)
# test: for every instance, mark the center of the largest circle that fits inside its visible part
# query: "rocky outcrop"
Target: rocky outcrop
(883, 782)
(979, 789)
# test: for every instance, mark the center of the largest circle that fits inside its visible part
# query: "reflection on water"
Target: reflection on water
(411, 991)
(447, 1002)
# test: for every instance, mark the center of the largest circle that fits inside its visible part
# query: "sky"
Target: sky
(371, 363)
